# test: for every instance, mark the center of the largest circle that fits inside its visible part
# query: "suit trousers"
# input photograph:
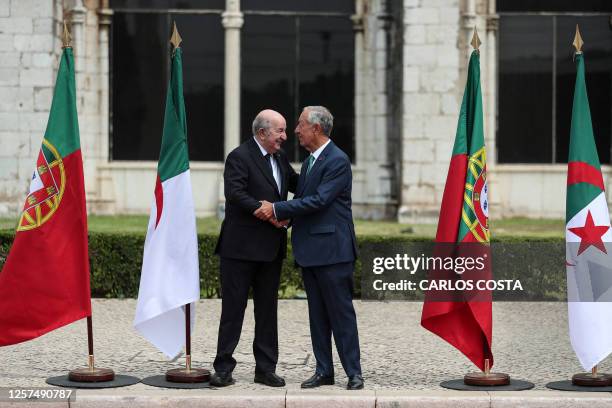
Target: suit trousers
(329, 290)
(237, 276)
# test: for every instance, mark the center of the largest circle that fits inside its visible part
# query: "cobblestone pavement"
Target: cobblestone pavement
(530, 342)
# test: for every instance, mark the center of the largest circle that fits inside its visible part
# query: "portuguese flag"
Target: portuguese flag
(170, 275)
(588, 238)
(45, 281)
(467, 325)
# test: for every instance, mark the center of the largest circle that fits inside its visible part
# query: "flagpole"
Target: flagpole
(91, 373)
(188, 336)
(188, 374)
(90, 343)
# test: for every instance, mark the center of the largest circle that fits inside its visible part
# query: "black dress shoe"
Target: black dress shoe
(221, 379)
(317, 380)
(355, 383)
(269, 379)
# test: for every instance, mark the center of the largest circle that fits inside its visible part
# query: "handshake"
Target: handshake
(266, 213)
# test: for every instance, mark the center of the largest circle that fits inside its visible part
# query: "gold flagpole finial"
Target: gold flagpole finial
(578, 41)
(66, 37)
(476, 40)
(176, 38)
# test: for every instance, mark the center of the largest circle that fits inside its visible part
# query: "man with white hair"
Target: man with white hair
(324, 245)
(252, 250)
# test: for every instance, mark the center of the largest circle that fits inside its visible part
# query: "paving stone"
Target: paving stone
(530, 342)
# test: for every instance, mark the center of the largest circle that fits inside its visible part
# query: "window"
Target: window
(140, 61)
(293, 54)
(317, 6)
(291, 60)
(554, 5)
(125, 5)
(537, 76)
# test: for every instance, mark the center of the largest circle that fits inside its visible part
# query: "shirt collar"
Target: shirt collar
(317, 152)
(263, 151)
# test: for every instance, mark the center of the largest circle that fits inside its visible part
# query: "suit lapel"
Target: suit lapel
(302, 179)
(262, 163)
(318, 164)
(282, 174)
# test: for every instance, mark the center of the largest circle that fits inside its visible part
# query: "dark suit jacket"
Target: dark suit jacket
(247, 180)
(323, 231)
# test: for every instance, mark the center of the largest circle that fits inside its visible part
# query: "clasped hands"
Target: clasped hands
(266, 213)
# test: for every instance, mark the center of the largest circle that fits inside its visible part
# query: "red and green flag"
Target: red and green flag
(170, 275)
(44, 283)
(467, 325)
(588, 237)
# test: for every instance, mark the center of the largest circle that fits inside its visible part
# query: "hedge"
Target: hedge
(115, 261)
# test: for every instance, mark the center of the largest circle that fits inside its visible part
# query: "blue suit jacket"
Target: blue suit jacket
(323, 231)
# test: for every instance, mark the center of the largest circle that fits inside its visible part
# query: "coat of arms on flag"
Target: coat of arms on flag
(46, 188)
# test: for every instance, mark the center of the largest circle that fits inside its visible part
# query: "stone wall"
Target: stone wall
(436, 51)
(432, 64)
(30, 48)
(90, 32)
(406, 113)
(29, 51)
(374, 171)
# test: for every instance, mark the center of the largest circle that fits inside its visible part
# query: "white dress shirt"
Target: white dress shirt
(317, 152)
(275, 170)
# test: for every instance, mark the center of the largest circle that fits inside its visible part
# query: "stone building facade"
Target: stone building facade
(410, 59)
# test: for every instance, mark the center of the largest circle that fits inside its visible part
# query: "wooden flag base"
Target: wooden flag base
(188, 374)
(184, 375)
(486, 378)
(91, 375)
(592, 379)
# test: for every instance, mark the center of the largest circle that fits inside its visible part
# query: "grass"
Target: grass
(537, 228)
(126, 223)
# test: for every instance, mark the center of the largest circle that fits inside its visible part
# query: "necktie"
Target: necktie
(311, 160)
(269, 160)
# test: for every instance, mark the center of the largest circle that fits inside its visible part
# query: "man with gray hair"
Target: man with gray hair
(252, 250)
(324, 245)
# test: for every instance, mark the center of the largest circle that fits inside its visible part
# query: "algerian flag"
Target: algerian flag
(170, 272)
(588, 237)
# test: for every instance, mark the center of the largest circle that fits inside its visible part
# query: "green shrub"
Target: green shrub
(116, 258)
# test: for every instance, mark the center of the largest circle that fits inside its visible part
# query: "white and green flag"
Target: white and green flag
(170, 272)
(588, 238)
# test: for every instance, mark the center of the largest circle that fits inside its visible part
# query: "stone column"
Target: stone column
(104, 202)
(78, 15)
(232, 22)
(469, 22)
(490, 109)
(104, 21)
(491, 96)
(358, 27)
